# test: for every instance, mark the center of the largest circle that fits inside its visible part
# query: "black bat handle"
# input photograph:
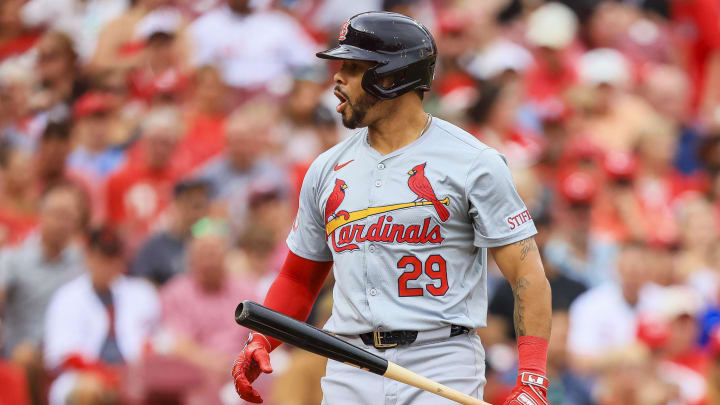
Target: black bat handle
(279, 326)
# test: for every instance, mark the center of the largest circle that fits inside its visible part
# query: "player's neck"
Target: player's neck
(399, 128)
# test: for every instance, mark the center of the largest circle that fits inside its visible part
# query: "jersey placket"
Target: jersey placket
(373, 249)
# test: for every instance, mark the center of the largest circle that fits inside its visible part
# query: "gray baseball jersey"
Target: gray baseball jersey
(408, 231)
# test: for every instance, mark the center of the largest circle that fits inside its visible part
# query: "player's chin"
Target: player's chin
(349, 119)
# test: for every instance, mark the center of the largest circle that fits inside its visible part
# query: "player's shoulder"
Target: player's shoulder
(456, 136)
(464, 146)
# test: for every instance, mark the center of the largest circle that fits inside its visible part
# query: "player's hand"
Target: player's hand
(530, 389)
(254, 358)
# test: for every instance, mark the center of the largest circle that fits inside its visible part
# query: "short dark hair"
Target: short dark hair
(59, 131)
(106, 240)
(183, 187)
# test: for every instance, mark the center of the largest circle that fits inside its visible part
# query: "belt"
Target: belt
(386, 340)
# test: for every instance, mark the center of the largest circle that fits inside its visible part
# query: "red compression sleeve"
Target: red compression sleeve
(296, 288)
(532, 354)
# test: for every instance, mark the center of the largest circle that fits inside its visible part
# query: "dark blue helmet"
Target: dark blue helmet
(402, 48)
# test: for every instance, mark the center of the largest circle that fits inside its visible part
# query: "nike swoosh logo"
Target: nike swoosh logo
(340, 166)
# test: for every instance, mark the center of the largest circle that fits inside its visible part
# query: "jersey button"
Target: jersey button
(372, 248)
(378, 183)
(373, 292)
(381, 166)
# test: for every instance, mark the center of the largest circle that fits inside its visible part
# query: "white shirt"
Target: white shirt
(76, 322)
(252, 50)
(600, 321)
(82, 20)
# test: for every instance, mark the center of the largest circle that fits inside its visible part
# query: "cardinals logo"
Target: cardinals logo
(336, 198)
(346, 236)
(420, 185)
(343, 31)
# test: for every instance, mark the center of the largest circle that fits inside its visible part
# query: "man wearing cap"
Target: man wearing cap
(97, 322)
(94, 156)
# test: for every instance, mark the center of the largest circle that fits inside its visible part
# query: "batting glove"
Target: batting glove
(255, 358)
(530, 389)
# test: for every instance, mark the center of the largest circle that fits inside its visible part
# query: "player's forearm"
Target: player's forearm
(520, 263)
(533, 311)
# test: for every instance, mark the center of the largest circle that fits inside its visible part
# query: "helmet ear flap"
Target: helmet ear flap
(373, 78)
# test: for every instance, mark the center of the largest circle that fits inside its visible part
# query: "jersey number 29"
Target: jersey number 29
(434, 267)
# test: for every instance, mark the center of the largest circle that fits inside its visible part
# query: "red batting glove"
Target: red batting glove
(532, 384)
(254, 358)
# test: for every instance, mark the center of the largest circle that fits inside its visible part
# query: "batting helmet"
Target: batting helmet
(402, 48)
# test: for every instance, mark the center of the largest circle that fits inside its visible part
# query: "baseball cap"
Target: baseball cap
(552, 25)
(604, 66)
(92, 103)
(619, 165)
(578, 188)
(165, 21)
(499, 57)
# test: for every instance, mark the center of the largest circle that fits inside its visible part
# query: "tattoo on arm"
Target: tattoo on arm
(518, 292)
(527, 246)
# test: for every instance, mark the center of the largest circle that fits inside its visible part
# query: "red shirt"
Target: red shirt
(546, 88)
(136, 195)
(696, 30)
(204, 139)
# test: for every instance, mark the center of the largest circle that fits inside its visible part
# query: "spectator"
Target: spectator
(226, 37)
(615, 117)
(159, 75)
(298, 136)
(32, 272)
(196, 304)
(244, 163)
(162, 256)
(82, 20)
(140, 191)
(697, 259)
(551, 31)
(206, 111)
(17, 82)
(58, 74)
(18, 198)
(602, 319)
(572, 247)
(97, 323)
(119, 43)
(667, 89)
(94, 156)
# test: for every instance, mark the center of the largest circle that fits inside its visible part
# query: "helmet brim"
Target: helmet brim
(351, 52)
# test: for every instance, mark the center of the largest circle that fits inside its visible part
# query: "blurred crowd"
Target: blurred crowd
(151, 154)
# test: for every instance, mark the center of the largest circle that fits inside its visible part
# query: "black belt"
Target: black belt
(386, 340)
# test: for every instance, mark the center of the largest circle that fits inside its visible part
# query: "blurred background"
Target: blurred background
(151, 154)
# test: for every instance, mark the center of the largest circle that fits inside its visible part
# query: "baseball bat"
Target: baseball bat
(307, 337)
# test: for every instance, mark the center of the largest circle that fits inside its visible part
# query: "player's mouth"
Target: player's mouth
(343, 100)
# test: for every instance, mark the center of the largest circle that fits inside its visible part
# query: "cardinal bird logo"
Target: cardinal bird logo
(334, 201)
(420, 185)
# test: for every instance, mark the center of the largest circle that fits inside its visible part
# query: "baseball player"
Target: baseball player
(406, 209)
